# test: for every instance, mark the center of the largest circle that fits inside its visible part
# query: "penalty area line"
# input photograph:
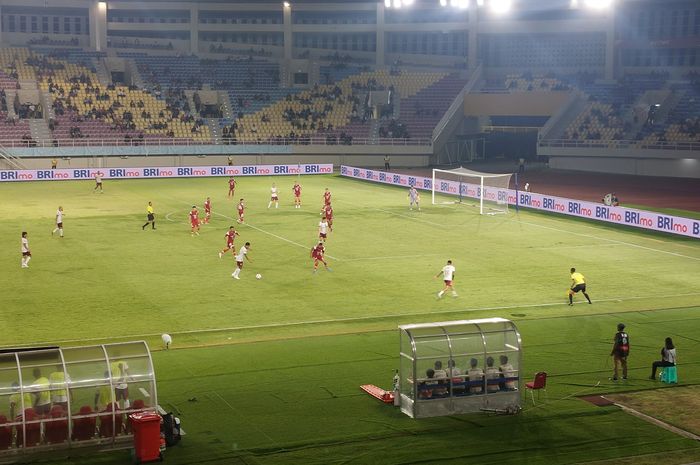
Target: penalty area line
(348, 319)
(276, 236)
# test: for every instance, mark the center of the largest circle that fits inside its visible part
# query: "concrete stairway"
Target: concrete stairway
(39, 130)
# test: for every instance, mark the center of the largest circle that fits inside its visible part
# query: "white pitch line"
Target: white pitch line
(305, 247)
(591, 236)
(395, 257)
(349, 319)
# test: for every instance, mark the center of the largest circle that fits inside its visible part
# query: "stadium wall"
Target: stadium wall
(516, 104)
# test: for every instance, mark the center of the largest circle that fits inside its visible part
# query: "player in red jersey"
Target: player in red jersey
(327, 197)
(230, 237)
(241, 210)
(194, 221)
(207, 210)
(297, 194)
(317, 254)
(231, 187)
(328, 215)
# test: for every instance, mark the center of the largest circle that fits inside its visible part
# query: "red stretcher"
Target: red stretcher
(385, 396)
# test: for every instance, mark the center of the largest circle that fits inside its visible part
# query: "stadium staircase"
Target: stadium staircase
(136, 77)
(225, 102)
(214, 129)
(39, 130)
(103, 76)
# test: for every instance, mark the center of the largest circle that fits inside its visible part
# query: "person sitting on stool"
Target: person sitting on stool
(668, 357)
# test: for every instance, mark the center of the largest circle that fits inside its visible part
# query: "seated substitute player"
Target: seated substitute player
(297, 194)
(230, 237)
(425, 388)
(413, 198)
(492, 376)
(150, 217)
(194, 221)
(448, 273)
(242, 254)
(16, 400)
(231, 187)
(98, 182)
(328, 215)
(274, 198)
(26, 253)
(327, 197)
(455, 374)
(317, 254)
(322, 230)
(441, 375)
(241, 210)
(59, 222)
(476, 377)
(508, 374)
(207, 210)
(578, 283)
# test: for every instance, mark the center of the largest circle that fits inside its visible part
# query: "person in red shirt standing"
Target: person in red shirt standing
(207, 210)
(241, 210)
(230, 237)
(297, 194)
(328, 215)
(194, 221)
(317, 254)
(327, 197)
(231, 187)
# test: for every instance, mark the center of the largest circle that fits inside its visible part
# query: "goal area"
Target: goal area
(488, 191)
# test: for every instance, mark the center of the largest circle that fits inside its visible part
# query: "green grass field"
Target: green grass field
(275, 364)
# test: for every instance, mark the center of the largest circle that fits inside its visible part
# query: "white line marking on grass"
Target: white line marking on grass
(591, 236)
(305, 247)
(395, 257)
(350, 319)
(239, 413)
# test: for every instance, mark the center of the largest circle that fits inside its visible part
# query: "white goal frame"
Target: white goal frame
(463, 172)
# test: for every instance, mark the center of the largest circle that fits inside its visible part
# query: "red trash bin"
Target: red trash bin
(146, 428)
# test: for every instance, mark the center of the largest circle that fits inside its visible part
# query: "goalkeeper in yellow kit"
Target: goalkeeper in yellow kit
(578, 283)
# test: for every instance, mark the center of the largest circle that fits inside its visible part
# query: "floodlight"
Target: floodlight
(286, 4)
(398, 4)
(443, 2)
(479, 3)
(599, 4)
(574, 4)
(500, 6)
(387, 3)
(408, 2)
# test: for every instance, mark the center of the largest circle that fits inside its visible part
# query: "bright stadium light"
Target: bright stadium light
(574, 4)
(387, 3)
(500, 6)
(443, 2)
(286, 4)
(408, 2)
(599, 4)
(398, 4)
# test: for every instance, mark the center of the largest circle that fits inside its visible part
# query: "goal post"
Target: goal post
(488, 191)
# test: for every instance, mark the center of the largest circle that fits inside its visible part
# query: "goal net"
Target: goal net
(488, 191)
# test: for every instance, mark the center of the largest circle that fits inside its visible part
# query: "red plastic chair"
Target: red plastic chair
(106, 425)
(33, 429)
(56, 429)
(84, 428)
(539, 384)
(5, 434)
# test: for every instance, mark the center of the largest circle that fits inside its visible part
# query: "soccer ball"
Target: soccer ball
(258, 276)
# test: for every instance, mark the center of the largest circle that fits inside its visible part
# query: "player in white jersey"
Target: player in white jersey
(323, 230)
(26, 254)
(414, 198)
(448, 274)
(59, 222)
(242, 254)
(273, 197)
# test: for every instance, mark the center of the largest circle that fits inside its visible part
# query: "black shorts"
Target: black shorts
(151, 217)
(59, 225)
(26, 254)
(579, 287)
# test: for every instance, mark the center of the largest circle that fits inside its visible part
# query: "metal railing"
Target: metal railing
(163, 142)
(619, 144)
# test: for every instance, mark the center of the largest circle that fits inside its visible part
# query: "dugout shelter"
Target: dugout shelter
(59, 398)
(456, 367)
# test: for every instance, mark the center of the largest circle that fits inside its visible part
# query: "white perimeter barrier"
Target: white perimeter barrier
(652, 221)
(163, 172)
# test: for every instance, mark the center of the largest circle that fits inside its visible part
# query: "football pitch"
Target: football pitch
(268, 371)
